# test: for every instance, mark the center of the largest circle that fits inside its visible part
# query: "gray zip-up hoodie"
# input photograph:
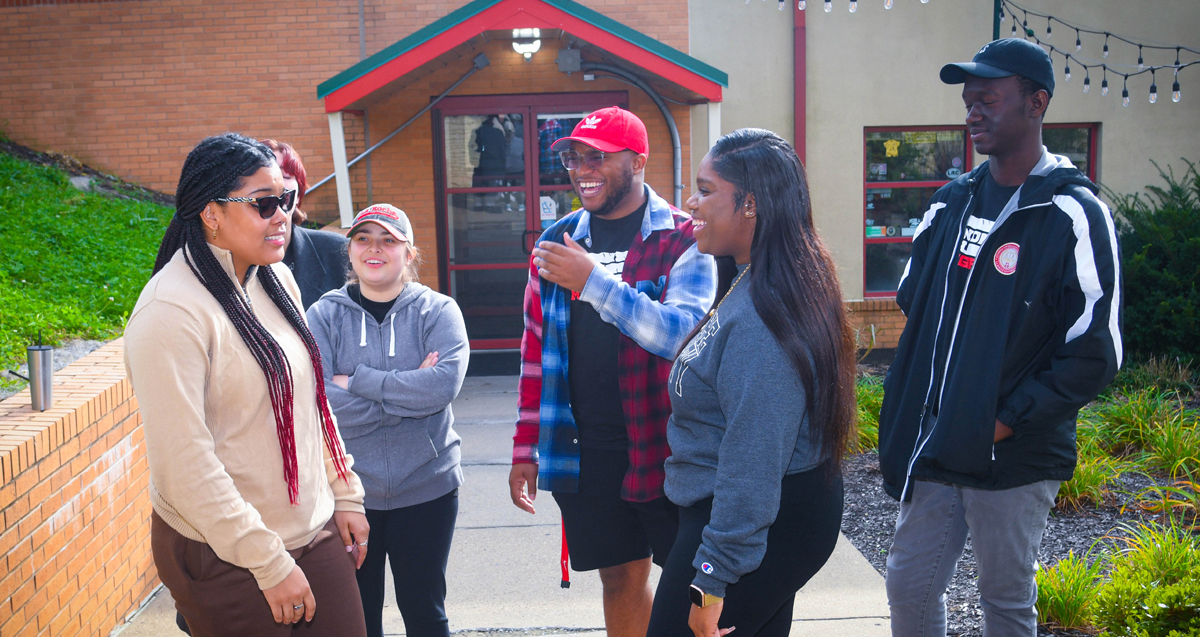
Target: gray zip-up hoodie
(396, 419)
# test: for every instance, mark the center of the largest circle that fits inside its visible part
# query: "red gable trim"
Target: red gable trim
(517, 14)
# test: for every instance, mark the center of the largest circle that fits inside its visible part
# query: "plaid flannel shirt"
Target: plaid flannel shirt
(666, 287)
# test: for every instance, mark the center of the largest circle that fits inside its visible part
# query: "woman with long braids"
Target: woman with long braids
(258, 521)
(395, 353)
(763, 403)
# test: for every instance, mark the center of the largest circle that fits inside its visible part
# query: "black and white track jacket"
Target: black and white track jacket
(1040, 341)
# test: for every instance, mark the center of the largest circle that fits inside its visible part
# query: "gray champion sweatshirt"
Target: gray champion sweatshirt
(396, 419)
(739, 425)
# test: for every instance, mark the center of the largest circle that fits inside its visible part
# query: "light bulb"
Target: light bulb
(803, 5)
(1067, 73)
(1104, 87)
(1106, 49)
(1153, 93)
(1014, 29)
(828, 6)
(1141, 64)
(887, 4)
(1175, 94)
(1078, 42)
(1087, 83)
(1125, 96)
(1002, 16)
(853, 6)
(924, 1)
(1049, 33)
(782, 4)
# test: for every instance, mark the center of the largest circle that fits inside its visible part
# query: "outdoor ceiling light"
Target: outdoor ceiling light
(527, 42)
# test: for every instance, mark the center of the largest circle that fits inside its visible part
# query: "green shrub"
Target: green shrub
(1160, 243)
(1153, 588)
(1178, 502)
(1065, 591)
(1173, 445)
(870, 398)
(1161, 373)
(1126, 426)
(72, 264)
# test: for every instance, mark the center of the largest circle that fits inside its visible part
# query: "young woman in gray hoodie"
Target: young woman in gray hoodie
(394, 354)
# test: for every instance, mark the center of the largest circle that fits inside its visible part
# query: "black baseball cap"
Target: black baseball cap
(1002, 58)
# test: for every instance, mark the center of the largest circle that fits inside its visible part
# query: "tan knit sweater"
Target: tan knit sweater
(216, 470)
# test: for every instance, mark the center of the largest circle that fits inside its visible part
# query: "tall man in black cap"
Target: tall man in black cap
(1012, 297)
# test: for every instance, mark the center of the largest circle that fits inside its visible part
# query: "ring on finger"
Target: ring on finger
(363, 543)
(298, 607)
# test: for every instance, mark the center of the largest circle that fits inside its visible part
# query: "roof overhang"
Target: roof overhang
(459, 26)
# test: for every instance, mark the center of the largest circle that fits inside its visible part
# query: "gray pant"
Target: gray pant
(1006, 530)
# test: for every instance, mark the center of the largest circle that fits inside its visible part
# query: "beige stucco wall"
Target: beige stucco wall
(753, 44)
(880, 67)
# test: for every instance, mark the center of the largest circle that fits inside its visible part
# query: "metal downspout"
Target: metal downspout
(676, 146)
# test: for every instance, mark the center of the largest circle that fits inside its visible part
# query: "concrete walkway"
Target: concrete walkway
(504, 574)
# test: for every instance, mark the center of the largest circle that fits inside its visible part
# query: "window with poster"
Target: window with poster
(902, 169)
(1076, 142)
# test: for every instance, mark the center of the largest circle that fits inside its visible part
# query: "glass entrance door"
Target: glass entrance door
(499, 187)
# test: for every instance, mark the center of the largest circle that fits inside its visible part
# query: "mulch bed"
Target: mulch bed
(99, 182)
(869, 522)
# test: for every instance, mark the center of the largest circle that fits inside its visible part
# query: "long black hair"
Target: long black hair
(216, 167)
(793, 282)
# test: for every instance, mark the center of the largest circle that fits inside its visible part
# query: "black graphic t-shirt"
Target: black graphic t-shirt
(592, 344)
(990, 201)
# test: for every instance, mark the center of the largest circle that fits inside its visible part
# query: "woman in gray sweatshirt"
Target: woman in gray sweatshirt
(763, 403)
(394, 354)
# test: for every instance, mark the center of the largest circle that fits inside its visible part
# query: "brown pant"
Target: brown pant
(219, 599)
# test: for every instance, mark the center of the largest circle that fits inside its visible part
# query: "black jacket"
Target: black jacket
(1041, 338)
(318, 261)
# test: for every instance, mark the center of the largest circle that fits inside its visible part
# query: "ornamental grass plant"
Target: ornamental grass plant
(869, 390)
(1066, 590)
(1153, 585)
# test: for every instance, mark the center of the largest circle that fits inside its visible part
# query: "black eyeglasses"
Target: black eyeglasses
(573, 160)
(266, 205)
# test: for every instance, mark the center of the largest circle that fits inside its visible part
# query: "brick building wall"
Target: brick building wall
(877, 323)
(130, 87)
(74, 505)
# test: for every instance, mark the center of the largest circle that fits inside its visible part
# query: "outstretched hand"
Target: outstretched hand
(567, 265)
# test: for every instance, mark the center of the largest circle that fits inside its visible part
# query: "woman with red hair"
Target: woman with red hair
(316, 258)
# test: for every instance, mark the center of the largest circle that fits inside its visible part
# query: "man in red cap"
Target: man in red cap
(614, 290)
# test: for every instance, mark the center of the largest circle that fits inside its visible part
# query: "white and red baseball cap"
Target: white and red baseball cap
(608, 130)
(390, 217)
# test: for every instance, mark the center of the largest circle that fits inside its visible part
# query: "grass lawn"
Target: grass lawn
(71, 263)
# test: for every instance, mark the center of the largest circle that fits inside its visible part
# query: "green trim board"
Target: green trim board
(448, 22)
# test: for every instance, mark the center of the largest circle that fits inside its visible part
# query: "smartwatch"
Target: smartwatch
(700, 598)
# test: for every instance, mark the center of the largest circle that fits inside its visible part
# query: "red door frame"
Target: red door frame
(529, 106)
(968, 165)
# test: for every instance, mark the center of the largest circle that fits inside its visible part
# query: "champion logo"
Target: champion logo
(590, 122)
(707, 568)
(1006, 258)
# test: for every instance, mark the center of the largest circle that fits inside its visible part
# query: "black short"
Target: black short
(602, 529)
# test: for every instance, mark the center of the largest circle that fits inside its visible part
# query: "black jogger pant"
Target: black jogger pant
(760, 603)
(416, 541)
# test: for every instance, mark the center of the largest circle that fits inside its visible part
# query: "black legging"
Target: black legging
(760, 603)
(416, 541)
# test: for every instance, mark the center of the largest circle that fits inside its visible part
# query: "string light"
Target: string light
(828, 6)
(853, 6)
(803, 5)
(782, 4)
(887, 4)
(1126, 70)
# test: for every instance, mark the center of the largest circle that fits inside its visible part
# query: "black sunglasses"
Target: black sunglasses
(266, 205)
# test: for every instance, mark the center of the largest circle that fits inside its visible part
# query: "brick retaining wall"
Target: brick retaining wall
(74, 505)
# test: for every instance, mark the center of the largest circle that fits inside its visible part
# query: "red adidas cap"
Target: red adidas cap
(608, 130)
